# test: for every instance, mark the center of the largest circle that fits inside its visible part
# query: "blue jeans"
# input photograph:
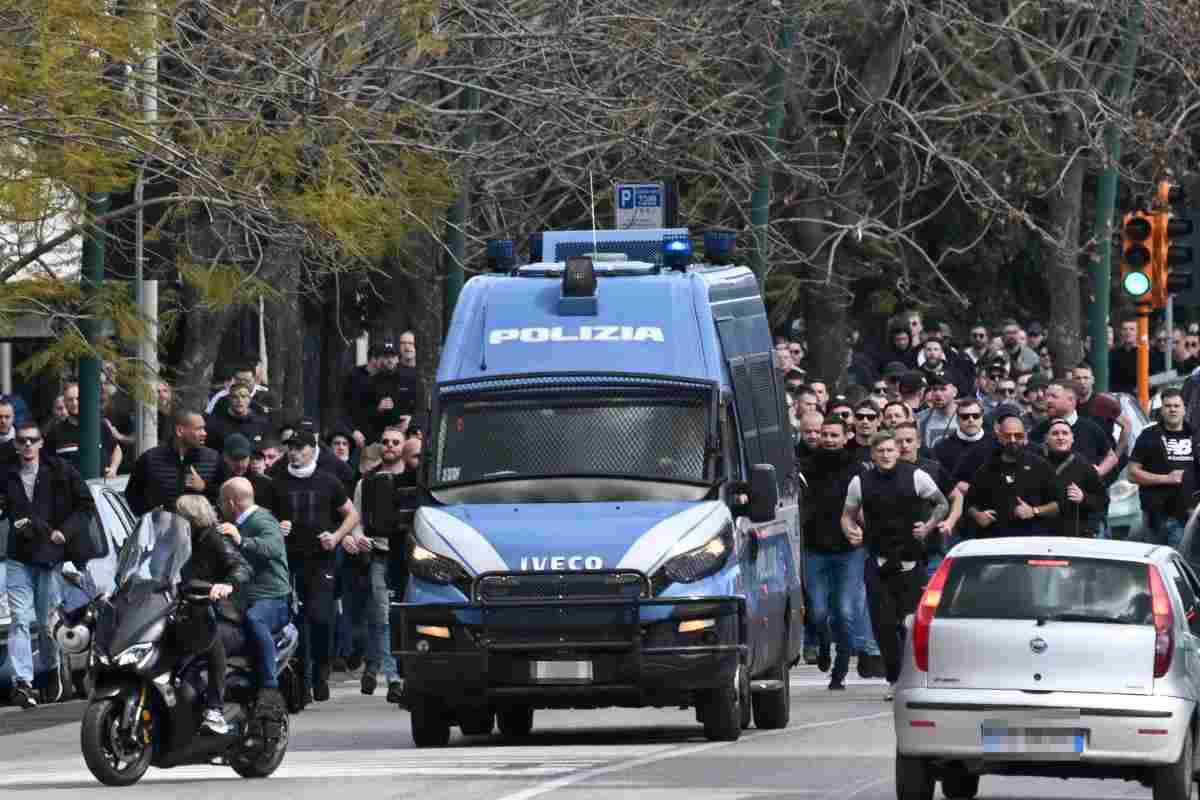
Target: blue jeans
(833, 580)
(1163, 529)
(262, 618)
(379, 626)
(350, 633)
(33, 592)
(860, 627)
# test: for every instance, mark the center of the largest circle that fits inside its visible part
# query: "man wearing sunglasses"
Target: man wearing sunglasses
(49, 508)
(968, 435)
(866, 425)
(978, 348)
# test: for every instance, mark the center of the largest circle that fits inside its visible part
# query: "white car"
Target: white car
(1052, 657)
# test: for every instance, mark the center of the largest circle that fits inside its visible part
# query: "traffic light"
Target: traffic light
(1137, 277)
(1174, 247)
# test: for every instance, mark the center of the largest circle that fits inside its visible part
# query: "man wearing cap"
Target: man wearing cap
(1163, 464)
(1082, 498)
(235, 463)
(326, 460)
(989, 371)
(184, 466)
(1034, 396)
(1012, 493)
(939, 419)
(1035, 335)
(912, 390)
(892, 371)
(315, 515)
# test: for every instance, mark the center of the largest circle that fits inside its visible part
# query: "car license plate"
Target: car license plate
(562, 671)
(1000, 739)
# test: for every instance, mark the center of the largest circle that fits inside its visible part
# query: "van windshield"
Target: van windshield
(1049, 588)
(642, 434)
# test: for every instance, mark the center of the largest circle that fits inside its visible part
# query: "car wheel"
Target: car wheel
(960, 785)
(427, 716)
(1174, 781)
(914, 780)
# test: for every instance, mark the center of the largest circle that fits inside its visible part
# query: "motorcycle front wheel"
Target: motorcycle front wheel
(113, 759)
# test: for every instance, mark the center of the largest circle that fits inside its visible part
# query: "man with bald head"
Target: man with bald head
(256, 532)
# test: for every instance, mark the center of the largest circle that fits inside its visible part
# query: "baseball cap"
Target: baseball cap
(894, 369)
(383, 349)
(301, 438)
(1037, 382)
(911, 382)
(237, 446)
(936, 381)
(1035, 329)
(1006, 411)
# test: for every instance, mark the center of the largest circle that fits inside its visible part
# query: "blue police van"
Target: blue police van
(610, 502)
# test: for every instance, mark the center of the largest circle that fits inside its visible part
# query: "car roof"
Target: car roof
(1060, 546)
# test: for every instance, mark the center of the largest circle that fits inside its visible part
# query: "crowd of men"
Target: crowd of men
(332, 498)
(940, 444)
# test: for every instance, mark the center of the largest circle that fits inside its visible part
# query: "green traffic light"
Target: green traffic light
(1137, 284)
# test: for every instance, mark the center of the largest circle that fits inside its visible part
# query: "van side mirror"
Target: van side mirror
(764, 493)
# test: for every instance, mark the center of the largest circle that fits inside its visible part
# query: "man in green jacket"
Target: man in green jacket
(265, 597)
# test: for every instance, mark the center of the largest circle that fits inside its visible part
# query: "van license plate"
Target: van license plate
(562, 671)
(1000, 740)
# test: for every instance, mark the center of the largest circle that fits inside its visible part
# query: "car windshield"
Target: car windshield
(1048, 588)
(154, 554)
(641, 433)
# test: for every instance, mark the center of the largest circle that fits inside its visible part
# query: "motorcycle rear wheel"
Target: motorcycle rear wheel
(261, 765)
(113, 762)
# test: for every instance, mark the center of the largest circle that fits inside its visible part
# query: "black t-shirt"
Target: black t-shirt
(1160, 451)
(311, 504)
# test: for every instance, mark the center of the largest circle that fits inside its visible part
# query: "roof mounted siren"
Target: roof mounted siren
(677, 252)
(535, 248)
(719, 244)
(501, 255)
(578, 296)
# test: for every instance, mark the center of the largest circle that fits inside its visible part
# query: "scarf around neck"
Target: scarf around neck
(302, 472)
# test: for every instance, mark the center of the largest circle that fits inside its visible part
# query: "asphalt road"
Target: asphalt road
(839, 747)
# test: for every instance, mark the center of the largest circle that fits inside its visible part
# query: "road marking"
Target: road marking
(579, 777)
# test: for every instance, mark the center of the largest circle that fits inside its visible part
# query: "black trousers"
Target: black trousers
(891, 596)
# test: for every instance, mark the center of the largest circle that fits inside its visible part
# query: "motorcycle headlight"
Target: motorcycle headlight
(695, 564)
(429, 566)
(139, 656)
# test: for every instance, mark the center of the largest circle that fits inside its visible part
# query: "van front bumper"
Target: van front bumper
(569, 651)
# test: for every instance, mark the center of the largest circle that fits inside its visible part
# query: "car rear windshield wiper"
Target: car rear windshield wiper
(1042, 620)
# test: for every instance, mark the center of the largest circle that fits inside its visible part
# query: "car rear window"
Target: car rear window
(1066, 589)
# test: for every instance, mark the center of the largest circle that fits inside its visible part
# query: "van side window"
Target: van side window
(731, 452)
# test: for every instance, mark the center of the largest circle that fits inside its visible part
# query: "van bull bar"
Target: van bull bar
(591, 636)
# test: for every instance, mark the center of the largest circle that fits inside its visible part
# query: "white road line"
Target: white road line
(579, 777)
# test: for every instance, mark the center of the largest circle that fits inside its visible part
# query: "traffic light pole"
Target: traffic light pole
(1143, 356)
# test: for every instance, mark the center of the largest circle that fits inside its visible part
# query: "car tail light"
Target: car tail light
(1164, 623)
(925, 610)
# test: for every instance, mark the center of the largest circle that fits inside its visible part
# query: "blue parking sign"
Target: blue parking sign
(639, 205)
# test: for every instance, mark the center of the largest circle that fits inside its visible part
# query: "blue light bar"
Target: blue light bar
(718, 245)
(500, 255)
(677, 252)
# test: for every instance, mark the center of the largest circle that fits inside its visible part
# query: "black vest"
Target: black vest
(890, 507)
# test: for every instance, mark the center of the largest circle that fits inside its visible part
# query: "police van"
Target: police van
(610, 504)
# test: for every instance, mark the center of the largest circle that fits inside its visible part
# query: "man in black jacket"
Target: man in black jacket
(236, 417)
(185, 466)
(833, 568)
(1012, 493)
(1081, 496)
(47, 504)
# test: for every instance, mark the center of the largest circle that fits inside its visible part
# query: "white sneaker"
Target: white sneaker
(890, 694)
(214, 721)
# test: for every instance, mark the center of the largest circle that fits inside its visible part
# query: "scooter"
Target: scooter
(143, 710)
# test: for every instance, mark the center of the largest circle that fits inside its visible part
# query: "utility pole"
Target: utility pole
(760, 201)
(146, 291)
(91, 278)
(1106, 199)
(456, 217)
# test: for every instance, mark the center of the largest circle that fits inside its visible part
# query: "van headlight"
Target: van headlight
(429, 566)
(693, 565)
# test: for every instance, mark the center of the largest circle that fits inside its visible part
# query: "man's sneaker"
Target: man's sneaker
(824, 661)
(214, 721)
(890, 694)
(23, 695)
(368, 682)
(837, 685)
(395, 692)
(810, 654)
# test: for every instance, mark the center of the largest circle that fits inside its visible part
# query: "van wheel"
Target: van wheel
(427, 716)
(914, 781)
(476, 721)
(773, 710)
(516, 722)
(959, 785)
(1174, 781)
(744, 706)
(723, 712)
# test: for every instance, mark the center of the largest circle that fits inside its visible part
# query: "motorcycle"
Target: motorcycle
(145, 708)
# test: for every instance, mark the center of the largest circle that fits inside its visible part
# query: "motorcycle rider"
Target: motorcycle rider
(216, 561)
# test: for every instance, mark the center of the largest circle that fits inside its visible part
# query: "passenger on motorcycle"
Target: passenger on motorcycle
(215, 560)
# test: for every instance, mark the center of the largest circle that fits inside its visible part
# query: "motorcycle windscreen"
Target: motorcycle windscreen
(131, 617)
(154, 555)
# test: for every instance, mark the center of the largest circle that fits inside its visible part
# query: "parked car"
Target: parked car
(117, 521)
(1054, 657)
(1124, 502)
